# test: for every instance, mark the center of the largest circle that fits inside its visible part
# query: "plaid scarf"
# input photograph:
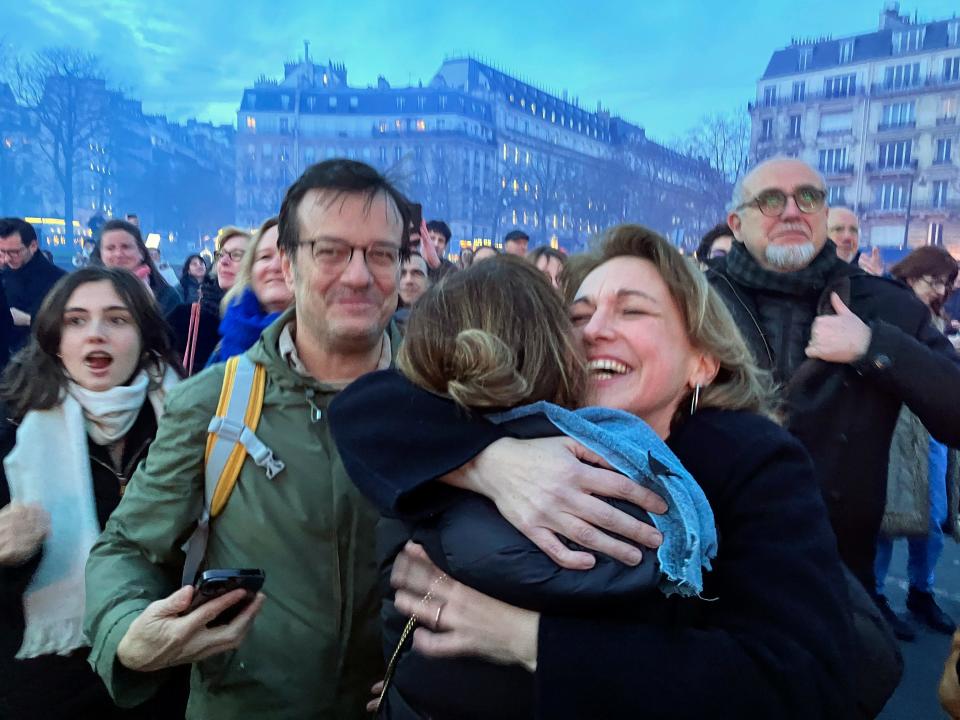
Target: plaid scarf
(811, 280)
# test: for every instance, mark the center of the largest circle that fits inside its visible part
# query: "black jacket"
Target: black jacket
(26, 288)
(845, 414)
(208, 335)
(67, 687)
(770, 639)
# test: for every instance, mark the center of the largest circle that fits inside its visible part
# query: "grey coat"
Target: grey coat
(907, 510)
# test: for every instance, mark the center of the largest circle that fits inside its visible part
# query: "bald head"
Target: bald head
(791, 240)
(843, 228)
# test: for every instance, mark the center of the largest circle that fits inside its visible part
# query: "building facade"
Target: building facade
(877, 114)
(477, 147)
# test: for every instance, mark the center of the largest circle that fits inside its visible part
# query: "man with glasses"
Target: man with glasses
(313, 650)
(848, 348)
(28, 276)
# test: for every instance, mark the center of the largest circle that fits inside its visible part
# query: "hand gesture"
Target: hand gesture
(160, 637)
(22, 531)
(427, 248)
(872, 263)
(545, 488)
(840, 338)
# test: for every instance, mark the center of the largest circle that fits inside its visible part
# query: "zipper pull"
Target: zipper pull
(315, 413)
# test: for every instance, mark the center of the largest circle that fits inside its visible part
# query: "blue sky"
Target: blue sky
(661, 64)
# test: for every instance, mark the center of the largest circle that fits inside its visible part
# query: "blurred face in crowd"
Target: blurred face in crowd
(721, 246)
(414, 280)
(639, 356)
(788, 241)
(100, 344)
(197, 268)
(484, 253)
(516, 247)
(931, 290)
(154, 255)
(228, 260)
(345, 300)
(844, 229)
(551, 267)
(118, 249)
(439, 242)
(13, 253)
(266, 276)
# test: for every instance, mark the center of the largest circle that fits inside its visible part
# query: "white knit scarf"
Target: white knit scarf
(50, 466)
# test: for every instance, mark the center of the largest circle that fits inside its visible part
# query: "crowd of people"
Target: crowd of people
(504, 483)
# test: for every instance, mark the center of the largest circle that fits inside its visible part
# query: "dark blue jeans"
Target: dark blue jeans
(925, 550)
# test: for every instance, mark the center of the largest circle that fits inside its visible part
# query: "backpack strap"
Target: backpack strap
(231, 437)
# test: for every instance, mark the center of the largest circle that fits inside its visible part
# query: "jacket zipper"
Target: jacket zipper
(123, 476)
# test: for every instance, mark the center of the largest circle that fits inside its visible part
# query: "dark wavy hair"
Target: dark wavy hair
(35, 378)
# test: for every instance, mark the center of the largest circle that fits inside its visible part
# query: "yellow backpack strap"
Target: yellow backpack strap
(231, 437)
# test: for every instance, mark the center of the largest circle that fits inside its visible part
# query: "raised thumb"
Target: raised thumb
(838, 305)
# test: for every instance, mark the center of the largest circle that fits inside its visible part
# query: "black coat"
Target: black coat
(208, 335)
(770, 639)
(26, 288)
(67, 687)
(845, 414)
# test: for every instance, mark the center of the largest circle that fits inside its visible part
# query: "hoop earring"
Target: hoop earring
(695, 400)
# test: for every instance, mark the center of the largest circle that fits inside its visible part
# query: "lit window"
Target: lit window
(516, 188)
(421, 125)
(528, 157)
(326, 80)
(398, 124)
(383, 126)
(504, 151)
(523, 104)
(251, 123)
(503, 183)
(533, 108)
(516, 155)
(514, 217)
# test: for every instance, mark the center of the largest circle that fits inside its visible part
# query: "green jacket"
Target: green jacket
(314, 650)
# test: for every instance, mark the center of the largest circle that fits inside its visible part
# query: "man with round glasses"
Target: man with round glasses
(848, 348)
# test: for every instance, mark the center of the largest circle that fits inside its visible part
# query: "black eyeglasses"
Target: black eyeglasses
(773, 202)
(235, 255)
(381, 259)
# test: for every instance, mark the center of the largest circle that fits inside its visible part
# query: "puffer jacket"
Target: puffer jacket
(314, 650)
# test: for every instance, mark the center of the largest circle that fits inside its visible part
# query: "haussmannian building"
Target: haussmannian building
(477, 147)
(877, 114)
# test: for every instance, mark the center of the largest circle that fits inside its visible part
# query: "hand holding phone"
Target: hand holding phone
(167, 633)
(216, 583)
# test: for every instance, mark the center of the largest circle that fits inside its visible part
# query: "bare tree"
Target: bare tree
(63, 89)
(723, 140)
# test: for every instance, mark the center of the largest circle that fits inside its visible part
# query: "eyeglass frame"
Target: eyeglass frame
(755, 201)
(220, 254)
(373, 270)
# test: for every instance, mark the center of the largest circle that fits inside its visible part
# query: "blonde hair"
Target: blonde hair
(740, 384)
(245, 273)
(494, 335)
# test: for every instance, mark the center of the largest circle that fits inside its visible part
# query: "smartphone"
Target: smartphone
(214, 583)
(416, 216)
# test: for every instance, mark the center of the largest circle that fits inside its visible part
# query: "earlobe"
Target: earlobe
(705, 371)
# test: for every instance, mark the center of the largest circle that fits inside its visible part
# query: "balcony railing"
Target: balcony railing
(941, 121)
(837, 170)
(907, 168)
(910, 125)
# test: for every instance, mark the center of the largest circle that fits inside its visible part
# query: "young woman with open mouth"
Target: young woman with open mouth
(81, 404)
